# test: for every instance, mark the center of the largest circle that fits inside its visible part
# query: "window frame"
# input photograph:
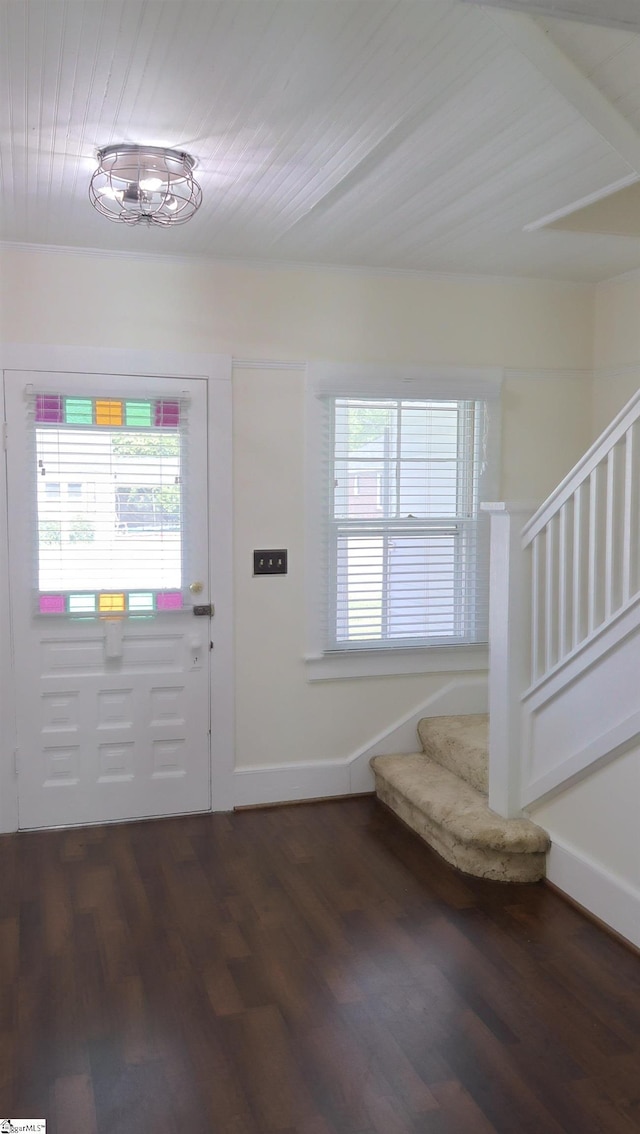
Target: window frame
(333, 380)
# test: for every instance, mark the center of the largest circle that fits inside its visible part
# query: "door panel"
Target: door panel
(112, 708)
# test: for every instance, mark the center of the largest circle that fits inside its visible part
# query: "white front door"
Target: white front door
(108, 545)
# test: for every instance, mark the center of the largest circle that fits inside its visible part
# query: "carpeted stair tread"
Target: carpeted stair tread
(455, 819)
(457, 805)
(460, 744)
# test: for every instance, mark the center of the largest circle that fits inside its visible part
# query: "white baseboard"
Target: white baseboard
(610, 898)
(286, 783)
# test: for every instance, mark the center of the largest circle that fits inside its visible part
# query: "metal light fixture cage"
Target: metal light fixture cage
(145, 185)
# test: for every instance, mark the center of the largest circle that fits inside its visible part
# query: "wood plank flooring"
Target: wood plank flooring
(311, 969)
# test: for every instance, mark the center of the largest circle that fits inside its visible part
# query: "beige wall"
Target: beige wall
(616, 324)
(616, 352)
(286, 314)
(546, 429)
(121, 301)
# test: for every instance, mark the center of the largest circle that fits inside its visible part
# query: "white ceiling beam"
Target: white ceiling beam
(623, 14)
(581, 203)
(570, 82)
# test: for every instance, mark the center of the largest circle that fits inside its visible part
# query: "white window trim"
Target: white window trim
(335, 379)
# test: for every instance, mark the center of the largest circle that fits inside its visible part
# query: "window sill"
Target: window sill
(392, 663)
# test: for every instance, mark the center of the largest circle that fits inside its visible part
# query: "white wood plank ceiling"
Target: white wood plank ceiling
(419, 134)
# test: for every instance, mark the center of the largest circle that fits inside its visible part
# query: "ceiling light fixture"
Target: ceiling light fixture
(145, 185)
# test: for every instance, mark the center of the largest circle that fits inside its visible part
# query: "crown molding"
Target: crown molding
(515, 373)
(269, 266)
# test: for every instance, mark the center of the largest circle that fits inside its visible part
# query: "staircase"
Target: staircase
(441, 793)
(563, 694)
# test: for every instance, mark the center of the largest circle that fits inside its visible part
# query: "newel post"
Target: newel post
(509, 652)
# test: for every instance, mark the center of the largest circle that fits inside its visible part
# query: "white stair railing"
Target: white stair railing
(563, 587)
(584, 546)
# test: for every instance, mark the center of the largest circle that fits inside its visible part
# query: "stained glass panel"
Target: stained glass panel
(137, 413)
(108, 411)
(167, 414)
(111, 603)
(141, 602)
(52, 604)
(160, 413)
(48, 407)
(82, 604)
(78, 411)
(169, 600)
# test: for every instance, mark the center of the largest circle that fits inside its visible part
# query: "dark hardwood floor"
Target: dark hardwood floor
(312, 969)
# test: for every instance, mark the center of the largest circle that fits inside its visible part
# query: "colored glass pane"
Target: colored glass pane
(108, 411)
(169, 600)
(82, 604)
(78, 411)
(167, 414)
(137, 413)
(109, 603)
(52, 604)
(48, 407)
(141, 602)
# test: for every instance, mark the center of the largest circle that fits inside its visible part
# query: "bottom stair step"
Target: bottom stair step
(455, 819)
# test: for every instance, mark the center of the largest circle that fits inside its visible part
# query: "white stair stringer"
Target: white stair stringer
(584, 714)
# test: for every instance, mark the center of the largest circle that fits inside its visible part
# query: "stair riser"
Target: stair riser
(456, 752)
(500, 866)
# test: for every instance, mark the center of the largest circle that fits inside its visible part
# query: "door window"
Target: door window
(109, 496)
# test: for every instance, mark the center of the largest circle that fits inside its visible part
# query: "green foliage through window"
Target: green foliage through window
(81, 531)
(50, 531)
(366, 423)
(145, 444)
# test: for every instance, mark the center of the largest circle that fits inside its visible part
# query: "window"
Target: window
(114, 543)
(400, 543)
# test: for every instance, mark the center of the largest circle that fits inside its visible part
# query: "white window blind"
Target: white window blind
(404, 545)
(109, 503)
